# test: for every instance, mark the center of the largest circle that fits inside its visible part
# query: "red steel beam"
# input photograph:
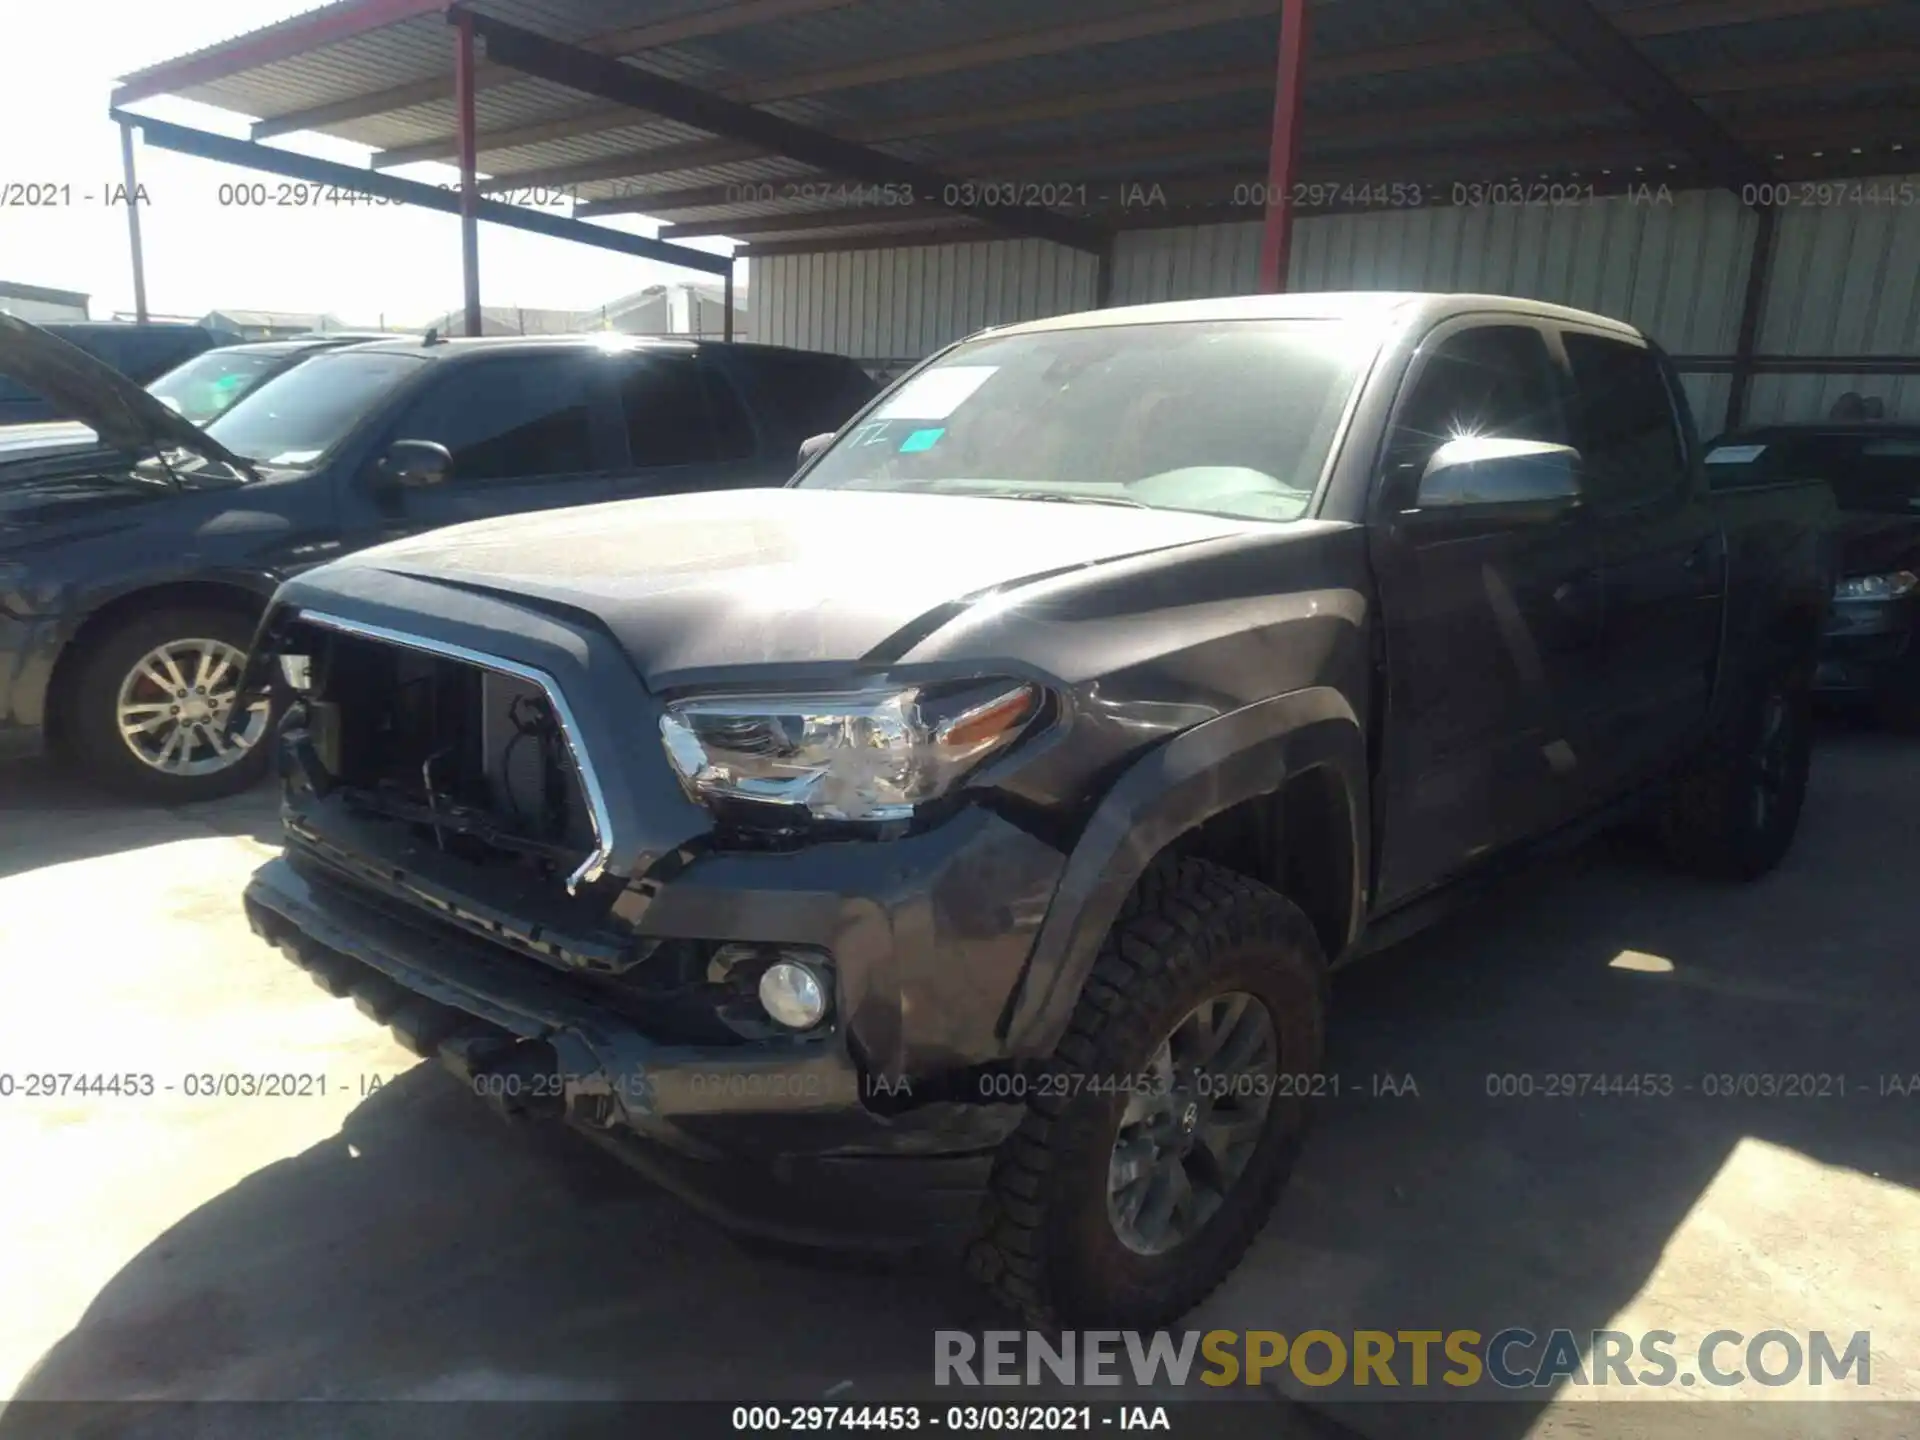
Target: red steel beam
(469, 182)
(285, 41)
(1276, 236)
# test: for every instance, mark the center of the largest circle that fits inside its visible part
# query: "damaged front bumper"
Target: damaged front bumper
(813, 1141)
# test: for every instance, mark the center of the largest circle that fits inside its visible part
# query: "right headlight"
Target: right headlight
(870, 755)
(1877, 587)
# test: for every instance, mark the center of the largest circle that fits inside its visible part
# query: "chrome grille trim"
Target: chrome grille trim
(594, 866)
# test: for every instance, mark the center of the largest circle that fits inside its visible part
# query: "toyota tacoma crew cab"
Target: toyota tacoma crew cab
(956, 840)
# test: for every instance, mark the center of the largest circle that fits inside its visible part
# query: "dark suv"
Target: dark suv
(131, 576)
(1871, 655)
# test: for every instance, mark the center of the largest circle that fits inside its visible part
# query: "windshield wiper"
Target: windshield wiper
(159, 457)
(1057, 497)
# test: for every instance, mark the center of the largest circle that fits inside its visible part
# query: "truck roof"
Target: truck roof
(451, 347)
(1381, 307)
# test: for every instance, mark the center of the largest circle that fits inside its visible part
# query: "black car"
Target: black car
(961, 836)
(1871, 656)
(199, 389)
(140, 352)
(131, 576)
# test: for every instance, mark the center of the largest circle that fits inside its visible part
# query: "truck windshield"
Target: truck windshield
(1231, 417)
(297, 417)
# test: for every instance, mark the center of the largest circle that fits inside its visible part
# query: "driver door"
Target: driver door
(1492, 629)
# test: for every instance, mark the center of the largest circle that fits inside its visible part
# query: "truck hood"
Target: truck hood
(692, 584)
(120, 413)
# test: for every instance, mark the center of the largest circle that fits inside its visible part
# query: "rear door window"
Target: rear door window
(513, 417)
(732, 425)
(678, 411)
(1624, 422)
(807, 394)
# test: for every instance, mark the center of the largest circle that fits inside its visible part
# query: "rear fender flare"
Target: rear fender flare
(1199, 774)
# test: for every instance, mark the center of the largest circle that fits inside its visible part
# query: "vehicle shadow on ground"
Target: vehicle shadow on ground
(50, 817)
(430, 1250)
(1459, 1208)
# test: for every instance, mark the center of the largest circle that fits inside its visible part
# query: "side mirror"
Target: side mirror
(813, 445)
(416, 464)
(1482, 479)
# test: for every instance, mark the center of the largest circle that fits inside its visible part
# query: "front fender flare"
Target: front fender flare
(1198, 774)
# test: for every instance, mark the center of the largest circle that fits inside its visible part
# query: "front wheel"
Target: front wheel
(151, 702)
(1156, 1143)
(1734, 812)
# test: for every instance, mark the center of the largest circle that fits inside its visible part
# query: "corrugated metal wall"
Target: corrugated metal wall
(901, 303)
(1846, 280)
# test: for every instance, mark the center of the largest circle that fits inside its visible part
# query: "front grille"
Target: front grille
(477, 755)
(447, 790)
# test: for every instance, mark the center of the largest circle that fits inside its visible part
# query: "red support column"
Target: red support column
(469, 185)
(1276, 239)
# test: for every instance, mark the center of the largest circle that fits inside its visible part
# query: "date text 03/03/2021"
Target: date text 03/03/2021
(959, 1419)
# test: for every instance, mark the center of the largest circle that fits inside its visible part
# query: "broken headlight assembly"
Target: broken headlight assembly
(864, 756)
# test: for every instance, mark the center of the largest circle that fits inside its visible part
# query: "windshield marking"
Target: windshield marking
(936, 394)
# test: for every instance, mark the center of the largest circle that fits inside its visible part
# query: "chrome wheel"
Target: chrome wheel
(174, 704)
(1189, 1130)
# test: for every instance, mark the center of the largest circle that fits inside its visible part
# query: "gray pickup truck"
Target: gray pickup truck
(958, 839)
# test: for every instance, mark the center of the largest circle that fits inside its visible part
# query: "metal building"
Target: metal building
(37, 302)
(1736, 176)
(1845, 282)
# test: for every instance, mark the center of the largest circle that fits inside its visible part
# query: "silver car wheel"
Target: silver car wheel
(174, 704)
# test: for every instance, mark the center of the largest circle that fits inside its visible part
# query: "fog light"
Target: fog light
(793, 995)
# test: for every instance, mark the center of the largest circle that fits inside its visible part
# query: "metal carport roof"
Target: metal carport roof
(1085, 93)
(807, 125)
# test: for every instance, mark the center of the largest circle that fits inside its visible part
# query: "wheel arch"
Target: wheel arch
(1276, 790)
(245, 596)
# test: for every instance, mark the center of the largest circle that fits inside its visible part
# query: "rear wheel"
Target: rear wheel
(1156, 1143)
(151, 702)
(1733, 814)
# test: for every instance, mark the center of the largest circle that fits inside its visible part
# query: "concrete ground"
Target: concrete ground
(399, 1241)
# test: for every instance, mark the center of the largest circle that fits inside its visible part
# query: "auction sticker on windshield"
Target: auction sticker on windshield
(936, 394)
